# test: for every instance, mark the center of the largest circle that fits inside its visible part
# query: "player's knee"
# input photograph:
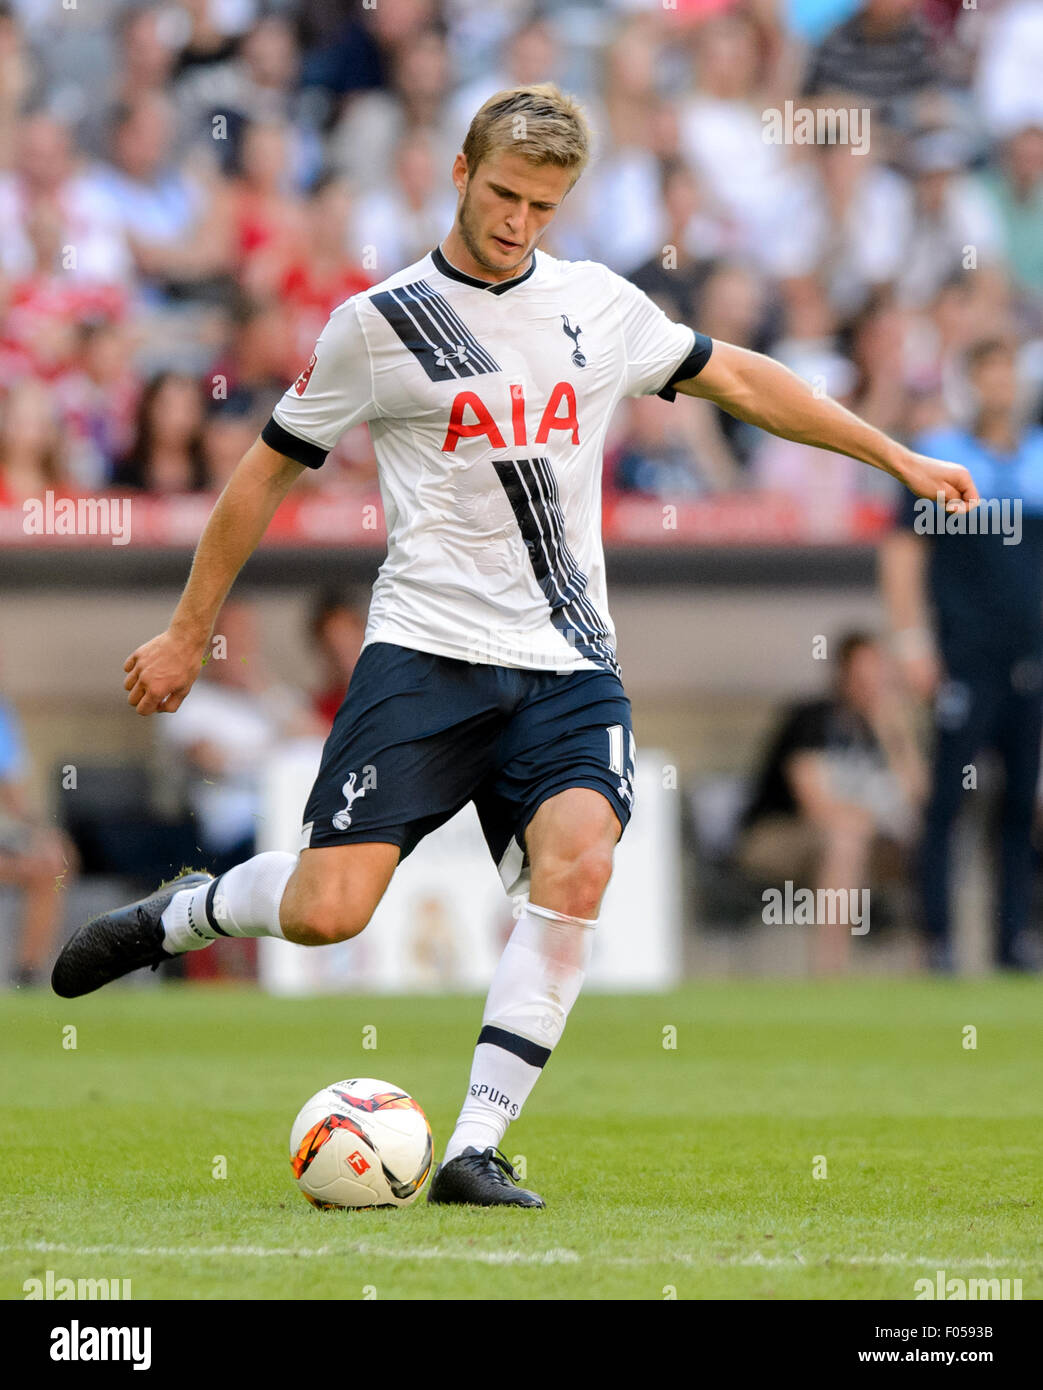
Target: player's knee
(574, 882)
(323, 920)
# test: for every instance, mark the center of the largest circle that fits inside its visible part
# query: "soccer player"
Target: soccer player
(488, 372)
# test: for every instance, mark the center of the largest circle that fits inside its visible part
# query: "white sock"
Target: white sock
(242, 902)
(536, 983)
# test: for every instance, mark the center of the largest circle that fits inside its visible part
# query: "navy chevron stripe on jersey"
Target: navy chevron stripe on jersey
(574, 575)
(576, 616)
(532, 493)
(433, 332)
(442, 311)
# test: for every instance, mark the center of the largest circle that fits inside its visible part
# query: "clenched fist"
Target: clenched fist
(929, 477)
(161, 673)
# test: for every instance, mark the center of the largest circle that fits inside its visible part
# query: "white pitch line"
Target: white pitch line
(516, 1257)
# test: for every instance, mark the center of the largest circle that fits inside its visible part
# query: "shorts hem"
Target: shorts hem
(358, 837)
(623, 812)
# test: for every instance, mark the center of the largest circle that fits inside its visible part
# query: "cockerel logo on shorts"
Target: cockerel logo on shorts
(342, 819)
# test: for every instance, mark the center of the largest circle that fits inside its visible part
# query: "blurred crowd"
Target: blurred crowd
(188, 188)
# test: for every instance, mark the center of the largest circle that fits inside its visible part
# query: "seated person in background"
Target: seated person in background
(37, 859)
(834, 805)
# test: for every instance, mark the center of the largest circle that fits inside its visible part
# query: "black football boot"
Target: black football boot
(479, 1180)
(115, 943)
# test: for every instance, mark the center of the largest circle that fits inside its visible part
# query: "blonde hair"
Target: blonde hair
(541, 123)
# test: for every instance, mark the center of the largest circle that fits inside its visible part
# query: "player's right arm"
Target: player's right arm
(161, 673)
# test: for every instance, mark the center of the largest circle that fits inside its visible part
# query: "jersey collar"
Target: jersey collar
(493, 286)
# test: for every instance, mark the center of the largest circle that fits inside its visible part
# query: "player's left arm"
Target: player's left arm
(762, 392)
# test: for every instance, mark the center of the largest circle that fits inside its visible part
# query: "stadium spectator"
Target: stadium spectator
(966, 608)
(209, 42)
(145, 56)
(364, 142)
(1010, 60)
(1015, 187)
(881, 350)
(825, 486)
(259, 83)
(836, 795)
(848, 217)
(267, 215)
(674, 274)
(18, 79)
(177, 221)
(46, 171)
(949, 214)
(882, 54)
(260, 359)
(34, 858)
(734, 306)
(166, 455)
(342, 54)
(98, 400)
(32, 449)
(206, 265)
(322, 270)
(398, 223)
(46, 302)
(723, 132)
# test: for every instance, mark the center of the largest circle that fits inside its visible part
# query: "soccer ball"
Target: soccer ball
(361, 1143)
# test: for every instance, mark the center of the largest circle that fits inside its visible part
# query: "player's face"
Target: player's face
(505, 207)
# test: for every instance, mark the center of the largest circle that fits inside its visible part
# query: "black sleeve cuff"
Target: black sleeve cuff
(691, 366)
(300, 450)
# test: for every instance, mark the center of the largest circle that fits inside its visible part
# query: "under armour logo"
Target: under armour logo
(342, 819)
(458, 354)
(573, 333)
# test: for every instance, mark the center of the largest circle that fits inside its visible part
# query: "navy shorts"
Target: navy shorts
(419, 736)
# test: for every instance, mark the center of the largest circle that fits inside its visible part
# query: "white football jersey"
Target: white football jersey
(488, 405)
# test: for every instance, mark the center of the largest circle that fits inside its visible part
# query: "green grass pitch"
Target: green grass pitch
(684, 1171)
